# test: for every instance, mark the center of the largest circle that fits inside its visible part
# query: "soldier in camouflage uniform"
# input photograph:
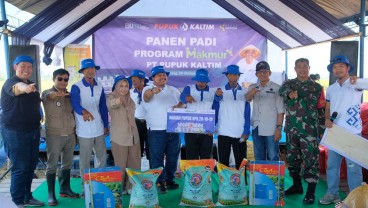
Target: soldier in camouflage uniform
(304, 102)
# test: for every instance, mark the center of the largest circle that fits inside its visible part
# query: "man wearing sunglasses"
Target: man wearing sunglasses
(60, 135)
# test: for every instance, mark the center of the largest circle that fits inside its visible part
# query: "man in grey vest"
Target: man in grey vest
(60, 135)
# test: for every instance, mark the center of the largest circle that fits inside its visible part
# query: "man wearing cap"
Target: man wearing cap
(91, 116)
(233, 118)
(60, 135)
(304, 122)
(343, 97)
(267, 114)
(139, 80)
(198, 97)
(20, 102)
(247, 65)
(163, 145)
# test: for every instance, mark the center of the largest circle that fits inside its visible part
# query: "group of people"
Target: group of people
(138, 124)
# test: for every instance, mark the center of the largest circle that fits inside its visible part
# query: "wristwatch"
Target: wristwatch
(279, 127)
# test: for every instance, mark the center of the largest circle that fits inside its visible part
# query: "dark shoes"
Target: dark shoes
(294, 189)
(172, 185)
(64, 180)
(309, 199)
(51, 199)
(34, 203)
(162, 188)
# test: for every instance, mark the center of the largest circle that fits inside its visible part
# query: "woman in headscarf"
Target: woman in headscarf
(125, 145)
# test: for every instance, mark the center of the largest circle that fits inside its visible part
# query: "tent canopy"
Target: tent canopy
(287, 23)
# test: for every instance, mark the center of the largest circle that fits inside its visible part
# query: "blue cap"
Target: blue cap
(23, 58)
(232, 69)
(158, 69)
(88, 63)
(340, 59)
(122, 77)
(139, 73)
(201, 76)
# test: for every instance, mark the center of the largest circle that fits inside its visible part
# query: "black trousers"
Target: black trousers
(142, 130)
(224, 149)
(198, 146)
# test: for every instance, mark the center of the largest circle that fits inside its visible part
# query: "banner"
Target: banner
(73, 55)
(190, 121)
(180, 45)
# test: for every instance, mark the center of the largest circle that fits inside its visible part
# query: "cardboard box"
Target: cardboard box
(103, 187)
(266, 183)
(349, 145)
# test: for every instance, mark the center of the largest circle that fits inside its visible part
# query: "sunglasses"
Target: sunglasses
(60, 79)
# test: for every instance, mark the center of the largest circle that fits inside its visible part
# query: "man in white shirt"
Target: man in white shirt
(198, 97)
(344, 98)
(233, 118)
(162, 145)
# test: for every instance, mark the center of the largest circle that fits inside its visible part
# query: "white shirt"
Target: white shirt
(345, 99)
(139, 110)
(156, 108)
(231, 114)
(206, 103)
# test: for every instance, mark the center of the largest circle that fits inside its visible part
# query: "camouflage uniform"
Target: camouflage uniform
(304, 122)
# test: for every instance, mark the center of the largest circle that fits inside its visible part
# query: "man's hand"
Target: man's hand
(179, 105)
(293, 95)
(253, 91)
(190, 99)
(26, 88)
(156, 90)
(58, 94)
(106, 131)
(87, 116)
(219, 92)
(243, 138)
(353, 79)
(277, 135)
(328, 123)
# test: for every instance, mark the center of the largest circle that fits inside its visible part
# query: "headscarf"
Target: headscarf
(128, 105)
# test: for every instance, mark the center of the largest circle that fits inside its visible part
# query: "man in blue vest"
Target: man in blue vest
(91, 117)
(198, 97)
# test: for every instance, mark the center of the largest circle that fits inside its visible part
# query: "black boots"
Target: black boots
(309, 196)
(64, 181)
(51, 200)
(296, 188)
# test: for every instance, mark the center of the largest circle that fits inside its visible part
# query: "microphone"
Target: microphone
(333, 117)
